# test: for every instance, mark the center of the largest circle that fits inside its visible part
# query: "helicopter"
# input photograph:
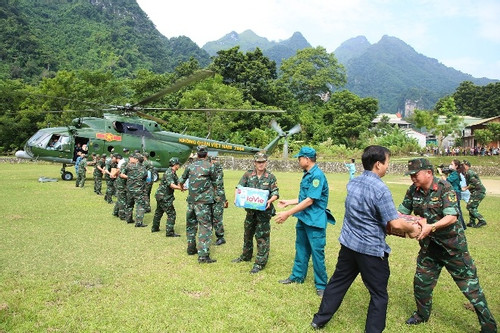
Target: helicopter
(132, 130)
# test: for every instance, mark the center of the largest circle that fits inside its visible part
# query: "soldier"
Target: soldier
(82, 170)
(257, 223)
(477, 194)
(442, 244)
(98, 172)
(110, 179)
(202, 180)
(135, 174)
(149, 182)
(219, 204)
(120, 190)
(165, 198)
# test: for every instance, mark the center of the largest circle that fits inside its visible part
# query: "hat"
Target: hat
(125, 150)
(134, 155)
(260, 157)
(466, 163)
(173, 161)
(418, 164)
(146, 155)
(94, 154)
(306, 152)
(202, 149)
(103, 155)
(118, 156)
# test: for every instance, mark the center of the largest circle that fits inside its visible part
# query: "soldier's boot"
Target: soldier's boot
(472, 223)
(206, 260)
(480, 224)
(192, 251)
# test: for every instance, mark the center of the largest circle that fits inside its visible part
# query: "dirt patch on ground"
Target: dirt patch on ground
(492, 185)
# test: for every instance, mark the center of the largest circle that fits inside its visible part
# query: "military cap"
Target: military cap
(118, 156)
(418, 164)
(306, 152)
(466, 163)
(94, 154)
(202, 149)
(125, 150)
(173, 161)
(103, 155)
(145, 154)
(260, 157)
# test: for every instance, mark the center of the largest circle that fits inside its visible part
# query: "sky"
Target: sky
(463, 34)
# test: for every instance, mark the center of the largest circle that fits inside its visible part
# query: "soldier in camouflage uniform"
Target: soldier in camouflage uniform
(202, 179)
(98, 172)
(442, 244)
(136, 174)
(110, 180)
(477, 194)
(120, 208)
(165, 198)
(219, 204)
(149, 182)
(82, 171)
(257, 223)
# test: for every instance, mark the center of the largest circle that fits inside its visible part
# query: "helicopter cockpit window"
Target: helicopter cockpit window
(54, 142)
(131, 128)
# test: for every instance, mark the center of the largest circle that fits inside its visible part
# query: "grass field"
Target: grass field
(67, 265)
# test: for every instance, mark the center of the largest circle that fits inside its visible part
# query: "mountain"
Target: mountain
(394, 73)
(41, 37)
(248, 41)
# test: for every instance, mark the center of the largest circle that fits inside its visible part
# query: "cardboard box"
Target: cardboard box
(251, 198)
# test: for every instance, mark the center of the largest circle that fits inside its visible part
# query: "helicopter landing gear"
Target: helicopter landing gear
(66, 175)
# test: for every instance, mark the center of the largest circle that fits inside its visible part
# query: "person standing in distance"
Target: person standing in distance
(310, 211)
(257, 223)
(351, 167)
(442, 244)
(202, 179)
(477, 194)
(165, 198)
(369, 213)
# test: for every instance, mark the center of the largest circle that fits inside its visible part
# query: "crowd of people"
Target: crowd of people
(370, 215)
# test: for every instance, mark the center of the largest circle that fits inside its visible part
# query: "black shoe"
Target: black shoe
(471, 224)
(415, 319)
(155, 230)
(480, 224)
(173, 234)
(316, 326)
(256, 269)
(286, 281)
(239, 259)
(130, 221)
(140, 225)
(116, 215)
(320, 292)
(206, 260)
(220, 241)
(192, 252)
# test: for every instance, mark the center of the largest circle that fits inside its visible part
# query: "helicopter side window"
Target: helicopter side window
(54, 142)
(130, 128)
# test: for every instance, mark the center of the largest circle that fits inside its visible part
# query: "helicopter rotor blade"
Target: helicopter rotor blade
(277, 127)
(294, 130)
(150, 117)
(212, 110)
(285, 149)
(200, 75)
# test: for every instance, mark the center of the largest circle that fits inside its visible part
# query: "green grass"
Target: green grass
(67, 265)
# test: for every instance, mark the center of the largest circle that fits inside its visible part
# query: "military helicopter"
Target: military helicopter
(129, 131)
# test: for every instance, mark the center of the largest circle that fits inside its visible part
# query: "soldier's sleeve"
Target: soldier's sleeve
(449, 198)
(185, 176)
(274, 187)
(406, 206)
(244, 180)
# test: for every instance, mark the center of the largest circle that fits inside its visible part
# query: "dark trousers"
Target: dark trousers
(375, 274)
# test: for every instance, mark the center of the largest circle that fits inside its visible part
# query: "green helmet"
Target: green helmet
(173, 161)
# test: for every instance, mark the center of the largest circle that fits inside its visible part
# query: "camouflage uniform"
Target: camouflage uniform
(110, 182)
(148, 186)
(477, 194)
(202, 183)
(82, 172)
(120, 209)
(446, 247)
(219, 204)
(257, 223)
(165, 202)
(136, 178)
(100, 163)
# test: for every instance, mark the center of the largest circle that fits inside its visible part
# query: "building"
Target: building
(468, 132)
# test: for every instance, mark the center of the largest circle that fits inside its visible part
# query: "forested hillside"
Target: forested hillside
(40, 38)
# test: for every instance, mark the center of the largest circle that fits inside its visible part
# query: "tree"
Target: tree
(312, 74)
(483, 136)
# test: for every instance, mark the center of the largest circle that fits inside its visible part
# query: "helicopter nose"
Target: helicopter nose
(22, 154)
